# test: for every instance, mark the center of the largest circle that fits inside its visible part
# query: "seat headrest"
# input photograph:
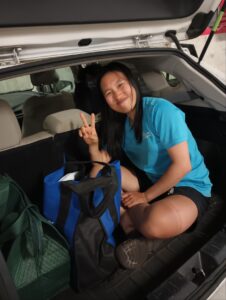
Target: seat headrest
(44, 78)
(10, 133)
(64, 121)
(155, 80)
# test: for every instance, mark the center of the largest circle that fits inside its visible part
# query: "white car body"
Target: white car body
(38, 37)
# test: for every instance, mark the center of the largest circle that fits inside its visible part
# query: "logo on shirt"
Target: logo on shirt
(147, 134)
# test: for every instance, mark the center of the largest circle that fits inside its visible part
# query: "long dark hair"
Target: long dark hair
(112, 125)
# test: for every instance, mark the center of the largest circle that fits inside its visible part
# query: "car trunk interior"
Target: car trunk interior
(171, 77)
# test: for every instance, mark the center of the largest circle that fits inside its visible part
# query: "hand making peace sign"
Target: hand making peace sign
(88, 132)
(89, 135)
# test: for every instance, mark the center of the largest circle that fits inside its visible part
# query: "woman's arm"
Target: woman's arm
(90, 137)
(100, 155)
(179, 167)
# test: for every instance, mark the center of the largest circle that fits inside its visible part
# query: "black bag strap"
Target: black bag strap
(72, 165)
(65, 203)
(108, 182)
(86, 197)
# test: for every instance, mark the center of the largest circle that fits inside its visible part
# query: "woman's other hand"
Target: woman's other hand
(130, 199)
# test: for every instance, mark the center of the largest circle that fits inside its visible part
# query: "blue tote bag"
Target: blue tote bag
(98, 197)
(87, 211)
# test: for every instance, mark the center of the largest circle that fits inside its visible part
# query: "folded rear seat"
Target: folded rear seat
(36, 108)
(11, 136)
(27, 159)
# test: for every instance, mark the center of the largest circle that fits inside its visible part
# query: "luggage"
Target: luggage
(36, 253)
(87, 210)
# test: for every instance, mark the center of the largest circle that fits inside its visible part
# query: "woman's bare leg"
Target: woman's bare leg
(129, 184)
(165, 218)
(162, 219)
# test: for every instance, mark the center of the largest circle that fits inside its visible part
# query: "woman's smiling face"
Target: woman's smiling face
(118, 92)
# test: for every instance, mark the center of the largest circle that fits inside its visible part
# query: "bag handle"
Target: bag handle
(72, 164)
(86, 162)
(15, 224)
(9, 206)
(41, 219)
(30, 218)
(21, 193)
(23, 222)
(84, 189)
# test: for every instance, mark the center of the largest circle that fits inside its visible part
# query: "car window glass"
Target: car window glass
(22, 83)
(172, 80)
(17, 90)
(66, 82)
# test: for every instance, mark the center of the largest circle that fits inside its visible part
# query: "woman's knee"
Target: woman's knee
(154, 229)
(161, 222)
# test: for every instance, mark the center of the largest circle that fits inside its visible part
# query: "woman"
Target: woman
(153, 134)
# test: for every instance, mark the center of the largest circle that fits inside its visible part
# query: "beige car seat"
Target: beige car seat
(159, 87)
(36, 108)
(10, 133)
(64, 121)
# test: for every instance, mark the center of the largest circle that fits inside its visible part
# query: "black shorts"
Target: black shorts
(200, 201)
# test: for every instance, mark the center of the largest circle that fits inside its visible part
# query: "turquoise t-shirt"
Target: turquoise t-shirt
(163, 127)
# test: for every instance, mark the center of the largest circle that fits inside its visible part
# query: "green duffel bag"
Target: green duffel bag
(37, 255)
